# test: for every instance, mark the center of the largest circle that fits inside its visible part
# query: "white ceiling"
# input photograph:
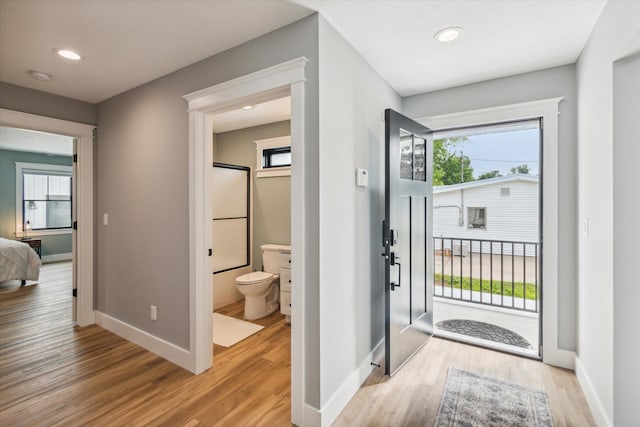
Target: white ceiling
(35, 142)
(128, 43)
(267, 112)
(125, 43)
(501, 37)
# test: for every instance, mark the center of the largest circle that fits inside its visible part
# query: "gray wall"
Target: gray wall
(31, 101)
(271, 215)
(51, 245)
(549, 83)
(353, 98)
(143, 183)
(626, 234)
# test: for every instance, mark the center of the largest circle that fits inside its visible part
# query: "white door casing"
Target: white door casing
(286, 79)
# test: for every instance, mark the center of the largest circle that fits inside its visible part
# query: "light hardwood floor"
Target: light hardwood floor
(412, 396)
(52, 373)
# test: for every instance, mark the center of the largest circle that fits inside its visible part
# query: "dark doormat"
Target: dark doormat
(485, 331)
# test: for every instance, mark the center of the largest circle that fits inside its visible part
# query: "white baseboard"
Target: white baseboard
(162, 348)
(597, 409)
(558, 357)
(339, 400)
(57, 257)
(311, 417)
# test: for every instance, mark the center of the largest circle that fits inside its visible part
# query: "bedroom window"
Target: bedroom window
(43, 198)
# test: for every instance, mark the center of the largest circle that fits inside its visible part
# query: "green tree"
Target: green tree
(449, 165)
(490, 174)
(521, 169)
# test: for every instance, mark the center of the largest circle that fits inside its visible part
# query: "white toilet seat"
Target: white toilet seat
(255, 277)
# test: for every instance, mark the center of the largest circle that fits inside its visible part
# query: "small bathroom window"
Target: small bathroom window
(276, 157)
(273, 157)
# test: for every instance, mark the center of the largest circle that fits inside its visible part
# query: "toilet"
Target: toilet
(261, 289)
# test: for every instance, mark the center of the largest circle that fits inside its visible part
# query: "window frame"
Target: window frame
(40, 169)
(263, 145)
(268, 153)
(484, 218)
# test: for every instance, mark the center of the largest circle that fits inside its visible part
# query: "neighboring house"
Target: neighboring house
(497, 209)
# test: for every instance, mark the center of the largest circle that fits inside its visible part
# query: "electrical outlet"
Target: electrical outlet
(154, 312)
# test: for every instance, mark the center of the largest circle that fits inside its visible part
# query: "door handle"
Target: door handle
(394, 259)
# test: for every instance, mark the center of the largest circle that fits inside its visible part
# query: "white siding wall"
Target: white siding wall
(512, 218)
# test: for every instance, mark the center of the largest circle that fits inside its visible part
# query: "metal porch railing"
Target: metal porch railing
(499, 273)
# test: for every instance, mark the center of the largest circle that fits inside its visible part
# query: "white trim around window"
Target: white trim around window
(41, 168)
(265, 144)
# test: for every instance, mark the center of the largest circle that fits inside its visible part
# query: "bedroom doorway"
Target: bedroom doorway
(43, 193)
(36, 190)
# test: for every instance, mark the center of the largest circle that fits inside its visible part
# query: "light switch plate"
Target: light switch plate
(362, 177)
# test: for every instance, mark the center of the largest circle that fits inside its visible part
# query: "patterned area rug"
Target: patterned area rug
(485, 331)
(475, 400)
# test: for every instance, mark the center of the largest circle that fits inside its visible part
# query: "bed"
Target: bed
(18, 261)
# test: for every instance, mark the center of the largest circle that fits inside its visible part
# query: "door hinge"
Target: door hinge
(75, 158)
(75, 225)
(74, 293)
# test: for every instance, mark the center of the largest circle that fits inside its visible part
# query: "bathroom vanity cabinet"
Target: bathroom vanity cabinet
(285, 285)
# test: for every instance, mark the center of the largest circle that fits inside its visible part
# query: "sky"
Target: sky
(502, 150)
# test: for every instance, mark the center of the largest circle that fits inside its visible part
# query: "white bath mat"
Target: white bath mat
(228, 331)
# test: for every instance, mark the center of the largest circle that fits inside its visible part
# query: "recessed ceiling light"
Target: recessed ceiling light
(40, 75)
(68, 54)
(247, 107)
(448, 34)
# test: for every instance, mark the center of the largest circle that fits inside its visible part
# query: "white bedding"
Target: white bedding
(18, 261)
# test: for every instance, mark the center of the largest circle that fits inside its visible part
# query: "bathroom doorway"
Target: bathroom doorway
(251, 258)
(286, 79)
